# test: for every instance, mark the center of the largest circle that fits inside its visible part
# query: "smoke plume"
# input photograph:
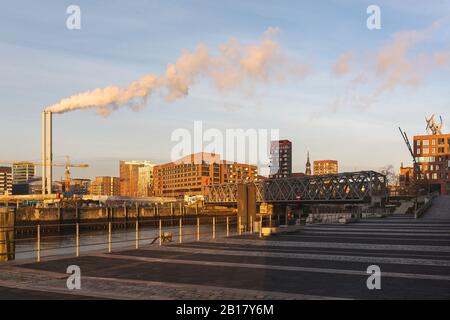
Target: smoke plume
(402, 61)
(235, 66)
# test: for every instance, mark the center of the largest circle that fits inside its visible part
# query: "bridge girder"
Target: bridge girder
(346, 187)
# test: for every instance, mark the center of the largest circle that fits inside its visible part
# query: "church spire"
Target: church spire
(308, 166)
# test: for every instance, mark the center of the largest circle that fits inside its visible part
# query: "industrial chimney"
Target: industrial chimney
(47, 155)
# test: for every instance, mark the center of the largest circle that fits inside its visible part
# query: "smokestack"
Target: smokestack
(44, 162)
(49, 151)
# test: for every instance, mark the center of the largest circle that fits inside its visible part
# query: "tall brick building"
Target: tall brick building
(432, 169)
(280, 159)
(190, 174)
(129, 177)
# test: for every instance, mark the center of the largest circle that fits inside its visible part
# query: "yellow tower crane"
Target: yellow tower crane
(67, 166)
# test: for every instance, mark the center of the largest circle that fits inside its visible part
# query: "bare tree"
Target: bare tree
(391, 174)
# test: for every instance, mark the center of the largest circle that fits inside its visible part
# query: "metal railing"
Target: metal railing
(428, 203)
(76, 238)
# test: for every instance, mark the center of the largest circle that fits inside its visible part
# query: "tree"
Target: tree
(391, 175)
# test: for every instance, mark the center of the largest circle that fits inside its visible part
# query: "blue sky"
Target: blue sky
(41, 62)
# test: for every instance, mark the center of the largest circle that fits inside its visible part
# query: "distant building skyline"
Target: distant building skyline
(348, 100)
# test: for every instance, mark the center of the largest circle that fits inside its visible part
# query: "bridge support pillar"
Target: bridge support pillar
(7, 247)
(246, 203)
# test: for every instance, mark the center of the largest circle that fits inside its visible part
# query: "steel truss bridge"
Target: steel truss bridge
(343, 188)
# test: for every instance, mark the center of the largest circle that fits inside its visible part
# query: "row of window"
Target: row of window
(439, 141)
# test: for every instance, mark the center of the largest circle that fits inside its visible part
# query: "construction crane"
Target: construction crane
(405, 138)
(415, 166)
(67, 165)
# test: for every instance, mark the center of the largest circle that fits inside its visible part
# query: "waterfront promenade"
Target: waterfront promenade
(318, 262)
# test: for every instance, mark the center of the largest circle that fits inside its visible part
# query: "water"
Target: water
(89, 240)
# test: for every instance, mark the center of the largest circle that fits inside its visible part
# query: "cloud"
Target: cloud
(402, 61)
(342, 64)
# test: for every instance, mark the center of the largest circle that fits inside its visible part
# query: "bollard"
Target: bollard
(38, 243)
(270, 220)
(137, 234)
(198, 229)
(109, 237)
(251, 224)
(228, 226)
(214, 227)
(77, 240)
(181, 230)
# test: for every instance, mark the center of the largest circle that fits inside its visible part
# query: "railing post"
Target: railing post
(77, 240)
(198, 229)
(137, 234)
(160, 232)
(260, 226)
(38, 245)
(239, 226)
(181, 230)
(214, 227)
(228, 226)
(109, 237)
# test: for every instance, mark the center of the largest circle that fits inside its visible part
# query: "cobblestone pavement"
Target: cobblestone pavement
(318, 262)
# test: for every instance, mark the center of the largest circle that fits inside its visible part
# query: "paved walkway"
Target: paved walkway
(440, 209)
(318, 262)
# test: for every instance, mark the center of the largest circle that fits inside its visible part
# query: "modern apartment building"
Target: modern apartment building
(80, 186)
(6, 181)
(129, 176)
(322, 167)
(190, 174)
(280, 159)
(432, 153)
(105, 186)
(145, 181)
(23, 172)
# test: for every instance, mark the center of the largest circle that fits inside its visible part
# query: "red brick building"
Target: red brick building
(432, 153)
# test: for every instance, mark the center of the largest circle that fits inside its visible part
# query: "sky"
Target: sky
(357, 87)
